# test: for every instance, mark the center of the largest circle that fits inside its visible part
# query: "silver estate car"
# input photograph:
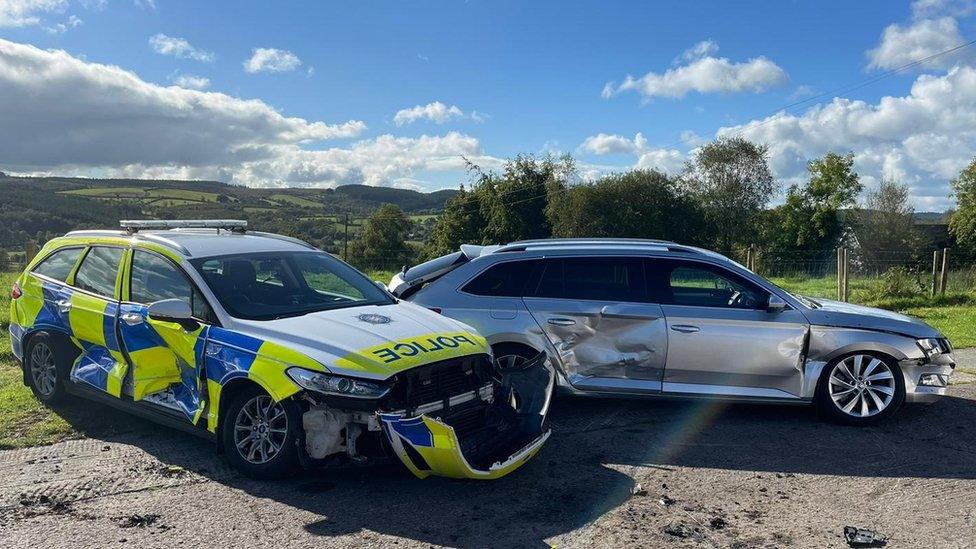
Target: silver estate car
(646, 317)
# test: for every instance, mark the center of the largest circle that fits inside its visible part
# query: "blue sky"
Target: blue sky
(318, 104)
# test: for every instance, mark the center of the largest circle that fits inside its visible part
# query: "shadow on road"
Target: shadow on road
(581, 473)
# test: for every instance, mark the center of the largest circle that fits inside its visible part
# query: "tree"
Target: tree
(810, 220)
(887, 224)
(731, 179)
(636, 204)
(962, 224)
(383, 241)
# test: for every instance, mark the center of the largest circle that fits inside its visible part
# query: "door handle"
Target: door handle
(685, 328)
(64, 305)
(132, 319)
(561, 321)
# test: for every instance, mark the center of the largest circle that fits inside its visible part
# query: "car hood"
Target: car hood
(374, 342)
(847, 315)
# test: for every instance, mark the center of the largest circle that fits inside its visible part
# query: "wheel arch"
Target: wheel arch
(223, 393)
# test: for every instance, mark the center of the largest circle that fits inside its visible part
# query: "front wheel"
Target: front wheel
(261, 436)
(861, 389)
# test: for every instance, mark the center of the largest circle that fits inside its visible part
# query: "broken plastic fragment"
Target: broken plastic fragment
(860, 537)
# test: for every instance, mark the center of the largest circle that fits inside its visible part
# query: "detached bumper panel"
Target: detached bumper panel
(480, 441)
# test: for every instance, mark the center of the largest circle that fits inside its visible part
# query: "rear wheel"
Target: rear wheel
(261, 436)
(861, 389)
(44, 369)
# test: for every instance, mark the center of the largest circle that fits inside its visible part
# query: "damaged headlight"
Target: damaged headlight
(931, 346)
(337, 385)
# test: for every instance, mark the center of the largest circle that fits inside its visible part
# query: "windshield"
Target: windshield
(267, 286)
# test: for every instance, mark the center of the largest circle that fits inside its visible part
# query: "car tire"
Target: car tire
(45, 369)
(852, 389)
(261, 437)
(509, 355)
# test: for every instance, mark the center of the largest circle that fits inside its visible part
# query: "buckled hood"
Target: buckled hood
(372, 342)
(847, 315)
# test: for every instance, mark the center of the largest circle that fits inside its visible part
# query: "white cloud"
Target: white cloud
(64, 115)
(271, 60)
(58, 28)
(93, 5)
(24, 13)
(436, 112)
(901, 45)
(923, 138)
(179, 47)
(703, 75)
(922, 9)
(705, 48)
(667, 160)
(147, 4)
(192, 82)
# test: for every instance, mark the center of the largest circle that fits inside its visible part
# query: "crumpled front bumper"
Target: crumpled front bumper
(914, 372)
(431, 446)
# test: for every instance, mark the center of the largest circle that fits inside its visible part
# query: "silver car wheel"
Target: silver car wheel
(507, 362)
(260, 429)
(43, 369)
(861, 385)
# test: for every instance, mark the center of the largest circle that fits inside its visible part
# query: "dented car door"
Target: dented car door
(722, 340)
(605, 331)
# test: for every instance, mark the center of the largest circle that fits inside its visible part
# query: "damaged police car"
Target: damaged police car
(281, 353)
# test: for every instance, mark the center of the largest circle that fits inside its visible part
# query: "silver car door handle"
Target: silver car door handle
(685, 328)
(64, 305)
(132, 319)
(561, 321)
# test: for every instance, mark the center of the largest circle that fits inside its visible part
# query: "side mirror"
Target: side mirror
(776, 304)
(173, 310)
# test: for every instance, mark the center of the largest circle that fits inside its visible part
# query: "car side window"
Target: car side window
(59, 264)
(707, 286)
(98, 271)
(153, 278)
(593, 278)
(508, 279)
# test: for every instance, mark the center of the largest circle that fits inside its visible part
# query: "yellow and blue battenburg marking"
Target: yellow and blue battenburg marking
(437, 450)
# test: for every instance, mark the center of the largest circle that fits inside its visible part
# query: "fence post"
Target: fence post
(944, 279)
(749, 257)
(847, 284)
(936, 260)
(30, 250)
(755, 259)
(840, 274)
(345, 241)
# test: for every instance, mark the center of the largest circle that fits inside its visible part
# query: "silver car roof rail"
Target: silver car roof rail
(284, 238)
(555, 243)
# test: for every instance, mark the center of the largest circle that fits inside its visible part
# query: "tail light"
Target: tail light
(15, 291)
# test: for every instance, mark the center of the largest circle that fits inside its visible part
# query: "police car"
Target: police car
(279, 352)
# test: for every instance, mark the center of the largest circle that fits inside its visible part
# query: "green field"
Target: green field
(295, 201)
(25, 422)
(158, 197)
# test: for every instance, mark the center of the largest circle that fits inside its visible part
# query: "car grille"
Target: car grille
(438, 381)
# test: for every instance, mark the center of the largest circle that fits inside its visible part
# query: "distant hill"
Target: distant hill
(42, 207)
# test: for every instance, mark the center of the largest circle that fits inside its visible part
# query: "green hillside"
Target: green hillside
(39, 208)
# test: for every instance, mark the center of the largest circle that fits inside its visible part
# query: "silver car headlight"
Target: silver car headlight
(931, 346)
(331, 384)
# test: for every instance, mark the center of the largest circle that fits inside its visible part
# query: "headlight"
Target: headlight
(337, 385)
(931, 346)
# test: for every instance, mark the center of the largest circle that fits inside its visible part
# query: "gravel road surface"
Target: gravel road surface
(616, 473)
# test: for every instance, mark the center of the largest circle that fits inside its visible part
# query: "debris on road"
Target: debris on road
(137, 521)
(666, 501)
(860, 537)
(172, 471)
(638, 490)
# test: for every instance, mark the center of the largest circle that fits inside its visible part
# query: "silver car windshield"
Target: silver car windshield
(268, 286)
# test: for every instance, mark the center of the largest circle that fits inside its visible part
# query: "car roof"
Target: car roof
(205, 242)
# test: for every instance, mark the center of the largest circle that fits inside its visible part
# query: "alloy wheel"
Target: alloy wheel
(508, 362)
(43, 369)
(260, 429)
(861, 385)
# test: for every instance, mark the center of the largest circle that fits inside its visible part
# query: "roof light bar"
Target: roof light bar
(135, 225)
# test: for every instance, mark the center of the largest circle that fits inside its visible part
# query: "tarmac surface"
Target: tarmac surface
(615, 473)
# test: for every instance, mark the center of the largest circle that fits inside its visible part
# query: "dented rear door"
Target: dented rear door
(597, 315)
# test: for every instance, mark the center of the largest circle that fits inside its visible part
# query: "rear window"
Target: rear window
(59, 264)
(98, 271)
(507, 279)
